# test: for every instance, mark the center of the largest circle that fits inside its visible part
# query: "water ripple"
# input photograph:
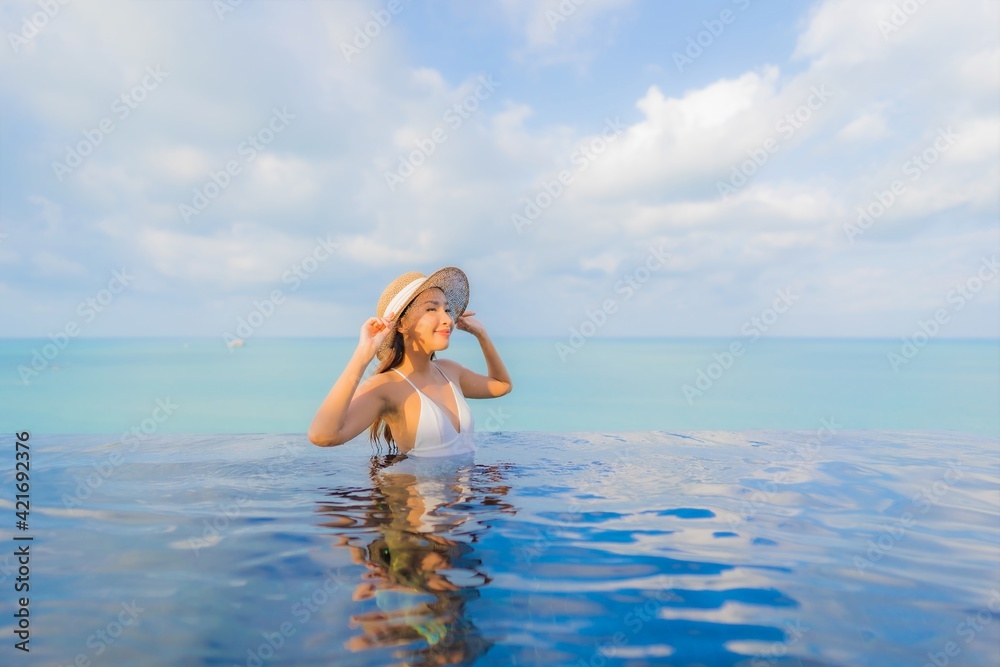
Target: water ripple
(716, 548)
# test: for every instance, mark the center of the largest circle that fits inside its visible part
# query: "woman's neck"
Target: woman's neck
(416, 363)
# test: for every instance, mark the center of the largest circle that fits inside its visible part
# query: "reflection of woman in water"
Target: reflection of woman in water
(419, 407)
(426, 514)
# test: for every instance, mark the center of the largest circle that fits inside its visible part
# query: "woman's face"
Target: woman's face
(428, 321)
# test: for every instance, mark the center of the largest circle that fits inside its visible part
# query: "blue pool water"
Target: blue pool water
(815, 547)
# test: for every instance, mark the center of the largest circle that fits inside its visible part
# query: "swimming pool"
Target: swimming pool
(825, 547)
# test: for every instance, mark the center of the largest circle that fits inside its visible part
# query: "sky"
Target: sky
(620, 167)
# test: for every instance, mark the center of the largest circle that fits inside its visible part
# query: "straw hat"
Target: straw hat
(404, 289)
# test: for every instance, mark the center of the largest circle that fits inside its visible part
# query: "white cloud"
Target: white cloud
(563, 31)
(179, 163)
(246, 254)
(49, 213)
(49, 264)
(655, 183)
(843, 32)
(549, 21)
(679, 140)
(606, 262)
(281, 183)
(866, 127)
(978, 141)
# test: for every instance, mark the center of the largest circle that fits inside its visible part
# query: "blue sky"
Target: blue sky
(720, 183)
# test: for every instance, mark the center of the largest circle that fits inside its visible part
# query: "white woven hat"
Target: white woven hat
(404, 289)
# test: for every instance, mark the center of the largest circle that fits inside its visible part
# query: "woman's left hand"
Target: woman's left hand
(467, 323)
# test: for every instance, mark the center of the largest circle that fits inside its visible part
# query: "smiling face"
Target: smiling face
(428, 322)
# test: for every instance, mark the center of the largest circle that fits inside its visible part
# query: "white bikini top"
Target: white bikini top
(436, 435)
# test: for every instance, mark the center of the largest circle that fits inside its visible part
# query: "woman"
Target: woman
(420, 406)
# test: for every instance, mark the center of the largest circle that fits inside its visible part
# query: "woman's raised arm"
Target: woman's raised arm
(342, 415)
(474, 385)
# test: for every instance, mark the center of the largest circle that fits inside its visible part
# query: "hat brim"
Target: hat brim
(455, 285)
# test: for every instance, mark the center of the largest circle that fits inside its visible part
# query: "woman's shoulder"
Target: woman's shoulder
(385, 378)
(452, 368)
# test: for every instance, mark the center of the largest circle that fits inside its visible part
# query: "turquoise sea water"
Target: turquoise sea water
(751, 549)
(275, 385)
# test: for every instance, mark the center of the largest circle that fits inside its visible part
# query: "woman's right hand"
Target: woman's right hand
(373, 332)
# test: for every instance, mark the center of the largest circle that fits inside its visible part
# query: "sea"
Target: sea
(807, 503)
(114, 386)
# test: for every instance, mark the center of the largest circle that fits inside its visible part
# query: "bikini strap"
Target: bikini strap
(443, 373)
(407, 379)
(448, 379)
